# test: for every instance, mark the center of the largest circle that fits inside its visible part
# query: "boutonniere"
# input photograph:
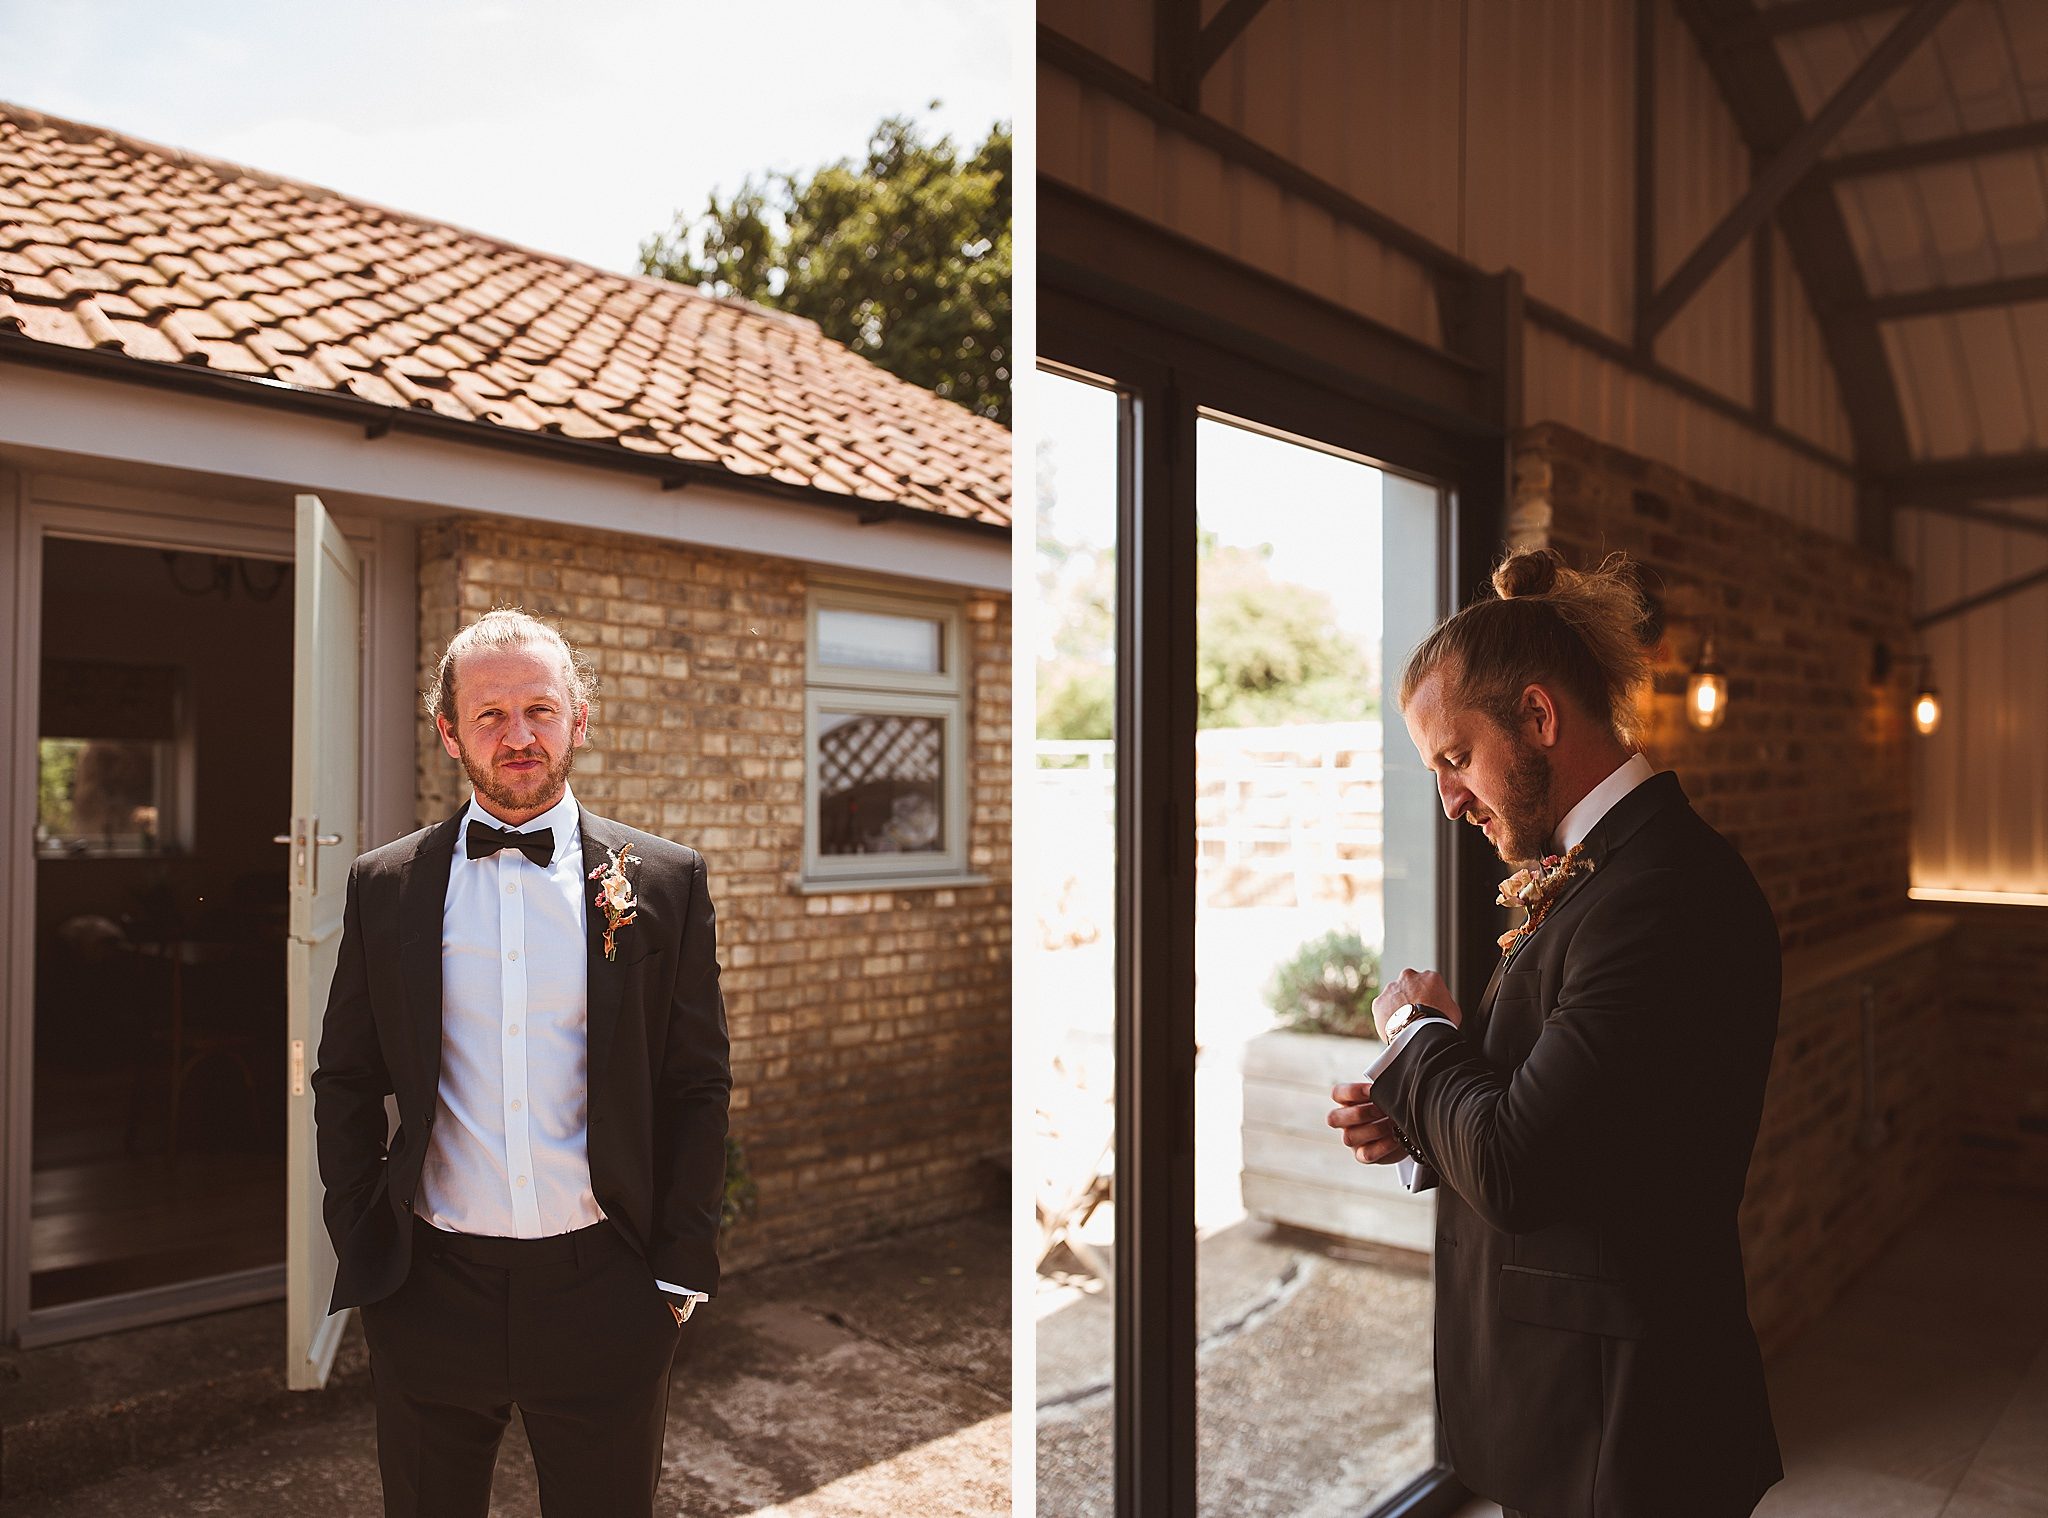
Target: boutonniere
(1535, 888)
(615, 893)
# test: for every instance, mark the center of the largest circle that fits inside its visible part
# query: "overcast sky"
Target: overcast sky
(572, 126)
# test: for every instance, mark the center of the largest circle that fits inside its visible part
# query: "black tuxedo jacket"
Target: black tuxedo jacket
(659, 1074)
(1591, 1126)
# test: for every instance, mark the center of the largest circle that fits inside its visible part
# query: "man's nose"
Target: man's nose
(518, 732)
(1454, 796)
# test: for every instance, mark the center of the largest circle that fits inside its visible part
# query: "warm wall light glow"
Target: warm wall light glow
(1706, 700)
(1992, 898)
(1706, 693)
(1927, 710)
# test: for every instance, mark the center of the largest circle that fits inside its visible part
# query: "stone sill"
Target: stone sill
(872, 885)
(1819, 965)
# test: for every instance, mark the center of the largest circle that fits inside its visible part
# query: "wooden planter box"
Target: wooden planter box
(1296, 1168)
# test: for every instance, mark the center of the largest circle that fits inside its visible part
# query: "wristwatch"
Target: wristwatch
(1406, 1014)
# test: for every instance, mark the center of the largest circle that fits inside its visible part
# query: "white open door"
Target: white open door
(325, 831)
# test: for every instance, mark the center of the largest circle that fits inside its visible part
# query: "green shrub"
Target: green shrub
(739, 1186)
(1328, 986)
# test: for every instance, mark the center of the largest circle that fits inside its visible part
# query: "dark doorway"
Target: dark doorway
(164, 751)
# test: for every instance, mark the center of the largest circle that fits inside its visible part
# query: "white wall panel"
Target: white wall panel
(1550, 152)
(1568, 384)
(1807, 399)
(1702, 171)
(1365, 97)
(1122, 33)
(1119, 154)
(1981, 782)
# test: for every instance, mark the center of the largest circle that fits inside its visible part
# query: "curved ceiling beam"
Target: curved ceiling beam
(1759, 95)
(1792, 162)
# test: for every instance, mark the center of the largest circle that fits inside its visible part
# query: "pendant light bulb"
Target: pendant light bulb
(1706, 691)
(1926, 709)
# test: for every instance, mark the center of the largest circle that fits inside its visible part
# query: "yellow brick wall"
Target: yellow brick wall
(871, 1028)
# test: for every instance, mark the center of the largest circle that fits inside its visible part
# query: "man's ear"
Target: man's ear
(1539, 710)
(579, 733)
(447, 736)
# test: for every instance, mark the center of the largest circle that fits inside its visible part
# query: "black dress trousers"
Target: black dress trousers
(571, 1329)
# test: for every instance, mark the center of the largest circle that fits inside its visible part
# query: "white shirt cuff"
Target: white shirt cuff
(1405, 1166)
(1401, 1042)
(682, 1291)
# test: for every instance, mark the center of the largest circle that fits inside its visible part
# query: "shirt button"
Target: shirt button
(521, 1182)
(512, 954)
(516, 1104)
(511, 890)
(513, 1031)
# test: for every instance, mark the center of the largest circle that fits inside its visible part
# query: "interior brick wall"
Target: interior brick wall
(1999, 994)
(1810, 772)
(1857, 1126)
(870, 1028)
(1810, 777)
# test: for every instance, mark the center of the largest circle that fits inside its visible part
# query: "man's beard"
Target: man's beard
(545, 782)
(1524, 814)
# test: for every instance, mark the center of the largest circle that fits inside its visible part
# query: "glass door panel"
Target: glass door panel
(1067, 868)
(164, 732)
(1315, 573)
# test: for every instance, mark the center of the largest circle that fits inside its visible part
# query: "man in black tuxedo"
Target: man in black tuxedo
(1590, 1124)
(538, 986)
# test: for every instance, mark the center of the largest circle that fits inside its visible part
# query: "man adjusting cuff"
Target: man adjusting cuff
(1400, 1028)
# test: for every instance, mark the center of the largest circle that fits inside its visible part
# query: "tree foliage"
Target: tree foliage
(903, 256)
(1077, 601)
(1267, 653)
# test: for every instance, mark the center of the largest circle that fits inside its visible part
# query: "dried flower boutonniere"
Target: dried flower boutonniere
(1535, 888)
(615, 893)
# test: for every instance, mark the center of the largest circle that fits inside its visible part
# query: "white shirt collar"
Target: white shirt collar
(564, 817)
(1594, 805)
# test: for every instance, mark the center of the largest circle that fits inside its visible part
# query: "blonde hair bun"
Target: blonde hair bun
(1530, 572)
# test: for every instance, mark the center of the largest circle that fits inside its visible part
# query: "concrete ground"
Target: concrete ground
(1314, 1397)
(1922, 1393)
(874, 1382)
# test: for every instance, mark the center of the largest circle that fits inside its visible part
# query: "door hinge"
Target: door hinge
(298, 1067)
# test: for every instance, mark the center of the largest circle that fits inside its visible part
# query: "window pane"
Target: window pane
(1068, 931)
(1301, 1251)
(880, 783)
(100, 795)
(880, 640)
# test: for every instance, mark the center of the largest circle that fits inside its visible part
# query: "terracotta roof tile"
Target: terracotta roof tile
(112, 244)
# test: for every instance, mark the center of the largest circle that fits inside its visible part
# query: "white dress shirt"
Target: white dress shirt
(508, 1154)
(1571, 831)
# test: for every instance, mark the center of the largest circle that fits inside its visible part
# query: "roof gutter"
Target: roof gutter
(377, 419)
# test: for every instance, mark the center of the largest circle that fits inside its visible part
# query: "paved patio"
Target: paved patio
(1314, 1398)
(873, 1382)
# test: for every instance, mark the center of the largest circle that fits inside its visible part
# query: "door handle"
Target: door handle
(305, 857)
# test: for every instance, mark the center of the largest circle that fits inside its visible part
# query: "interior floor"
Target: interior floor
(1923, 1393)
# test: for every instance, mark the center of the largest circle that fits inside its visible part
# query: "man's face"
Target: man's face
(1493, 779)
(515, 729)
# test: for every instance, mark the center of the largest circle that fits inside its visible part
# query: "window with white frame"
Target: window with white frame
(884, 713)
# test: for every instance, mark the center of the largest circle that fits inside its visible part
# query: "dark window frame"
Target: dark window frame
(1169, 365)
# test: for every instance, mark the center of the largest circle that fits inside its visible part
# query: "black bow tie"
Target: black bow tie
(485, 840)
